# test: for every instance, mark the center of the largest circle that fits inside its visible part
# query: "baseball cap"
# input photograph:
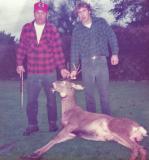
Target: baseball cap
(40, 6)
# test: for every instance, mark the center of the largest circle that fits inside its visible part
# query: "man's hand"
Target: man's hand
(20, 70)
(114, 59)
(65, 73)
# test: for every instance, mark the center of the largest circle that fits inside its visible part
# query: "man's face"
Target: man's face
(40, 17)
(84, 15)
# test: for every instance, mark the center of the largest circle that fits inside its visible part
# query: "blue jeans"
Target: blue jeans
(34, 85)
(95, 73)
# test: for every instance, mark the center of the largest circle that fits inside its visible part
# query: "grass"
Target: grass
(128, 99)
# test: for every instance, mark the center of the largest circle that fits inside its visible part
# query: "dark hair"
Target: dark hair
(82, 5)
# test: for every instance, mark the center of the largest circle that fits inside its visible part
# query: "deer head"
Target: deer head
(66, 88)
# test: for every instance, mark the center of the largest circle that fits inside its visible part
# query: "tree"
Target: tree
(65, 19)
(136, 10)
(6, 38)
(62, 16)
(7, 56)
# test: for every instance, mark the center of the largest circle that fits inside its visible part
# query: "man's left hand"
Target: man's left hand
(65, 73)
(114, 59)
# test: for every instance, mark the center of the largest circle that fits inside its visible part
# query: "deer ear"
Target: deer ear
(77, 86)
(63, 94)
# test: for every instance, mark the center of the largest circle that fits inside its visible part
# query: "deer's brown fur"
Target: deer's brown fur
(93, 126)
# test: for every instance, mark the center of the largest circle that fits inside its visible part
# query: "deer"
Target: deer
(77, 122)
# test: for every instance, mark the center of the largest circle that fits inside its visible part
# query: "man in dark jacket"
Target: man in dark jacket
(90, 41)
(40, 42)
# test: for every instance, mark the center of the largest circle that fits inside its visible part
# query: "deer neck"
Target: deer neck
(68, 103)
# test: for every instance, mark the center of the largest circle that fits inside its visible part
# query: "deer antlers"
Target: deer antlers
(75, 71)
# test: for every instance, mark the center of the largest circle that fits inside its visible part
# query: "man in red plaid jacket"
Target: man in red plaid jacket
(40, 42)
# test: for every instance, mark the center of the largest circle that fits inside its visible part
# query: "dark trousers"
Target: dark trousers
(34, 84)
(95, 73)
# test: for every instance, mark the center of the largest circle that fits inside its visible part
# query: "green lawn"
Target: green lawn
(128, 99)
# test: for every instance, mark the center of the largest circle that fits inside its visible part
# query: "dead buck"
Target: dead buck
(93, 126)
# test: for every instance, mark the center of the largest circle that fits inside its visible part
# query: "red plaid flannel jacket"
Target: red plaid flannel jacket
(43, 57)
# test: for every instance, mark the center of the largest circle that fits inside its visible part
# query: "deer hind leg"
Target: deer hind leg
(134, 146)
(143, 153)
(138, 149)
(62, 136)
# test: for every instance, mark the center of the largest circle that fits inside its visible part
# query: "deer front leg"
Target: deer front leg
(62, 136)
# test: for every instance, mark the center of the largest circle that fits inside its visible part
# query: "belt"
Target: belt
(94, 57)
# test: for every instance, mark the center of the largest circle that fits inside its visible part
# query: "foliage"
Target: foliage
(65, 19)
(62, 16)
(134, 55)
(6, 38)
(137, 10)
(7, 56)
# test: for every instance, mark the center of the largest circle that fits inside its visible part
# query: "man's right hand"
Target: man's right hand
(20, 70)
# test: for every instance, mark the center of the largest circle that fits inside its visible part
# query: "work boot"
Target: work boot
(53, 127)
(30, 130)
